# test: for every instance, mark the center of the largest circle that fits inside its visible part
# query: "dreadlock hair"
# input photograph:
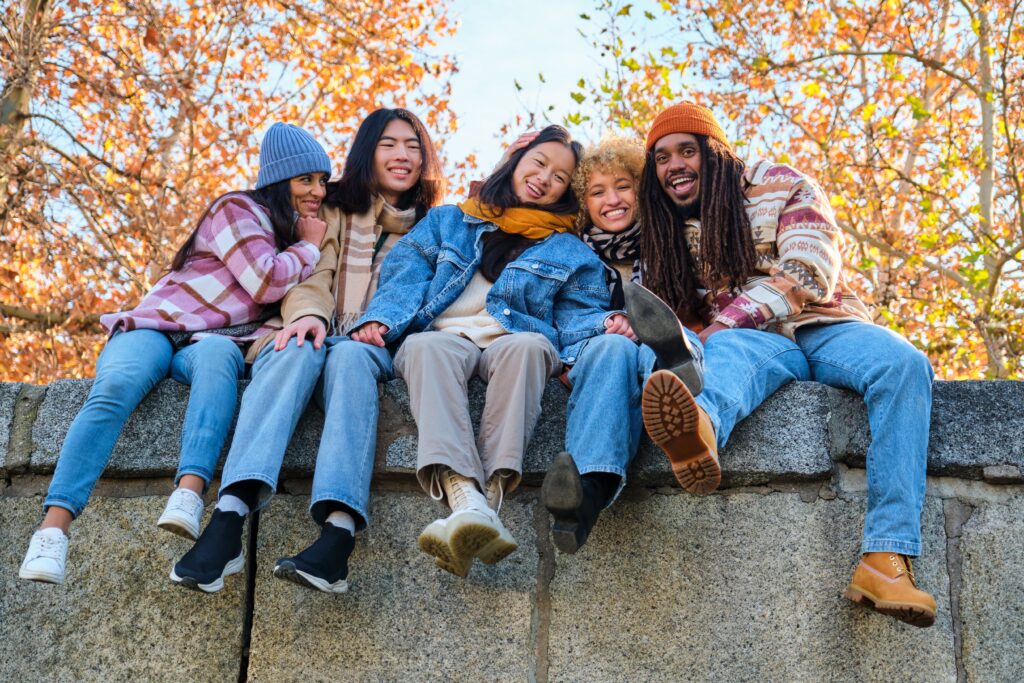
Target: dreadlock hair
(726, 251)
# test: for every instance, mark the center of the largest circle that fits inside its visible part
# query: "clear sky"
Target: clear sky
(500, 42)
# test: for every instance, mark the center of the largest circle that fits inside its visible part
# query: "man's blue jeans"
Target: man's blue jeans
(343, 375)
(744, 367)
(130, 365)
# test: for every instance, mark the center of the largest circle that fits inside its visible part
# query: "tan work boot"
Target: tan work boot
(456, 539)
(885, 582)
(682, 429)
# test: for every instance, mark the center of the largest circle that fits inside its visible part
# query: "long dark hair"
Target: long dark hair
(497, 190)
(276, 199)
(726, 246)
(353, 193)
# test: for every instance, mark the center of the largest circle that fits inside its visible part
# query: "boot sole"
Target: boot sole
(437, 547)
(671, 417)
(287, 571)
(908, 613)
(498, 549)
(656, 325)
(232, 567)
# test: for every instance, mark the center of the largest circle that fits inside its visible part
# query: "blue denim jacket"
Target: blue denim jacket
(556, 287)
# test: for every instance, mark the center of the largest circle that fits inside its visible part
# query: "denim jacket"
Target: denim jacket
(556, 287)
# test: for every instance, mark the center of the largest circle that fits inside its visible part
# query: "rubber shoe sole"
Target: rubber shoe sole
(434, 542)
(498, 549)
(41, 576)
(656, 325)
(286, 569)
(232, 567)
(672, 418)
(178, 527)
(909, 613)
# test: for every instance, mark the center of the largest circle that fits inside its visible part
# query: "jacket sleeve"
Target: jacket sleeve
(405, 278)
(315, 295)
(582, 306)
(241, 241)
(808, 243)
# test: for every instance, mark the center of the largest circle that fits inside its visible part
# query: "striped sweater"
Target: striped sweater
(234, 271)
(800, 279)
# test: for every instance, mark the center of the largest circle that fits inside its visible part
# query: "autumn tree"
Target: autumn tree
(120, 121)
(908, 113)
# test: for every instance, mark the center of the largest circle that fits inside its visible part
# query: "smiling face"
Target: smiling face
(397, 161)
(677, 166)
(611, 199)
(308, 192)
(543, 173)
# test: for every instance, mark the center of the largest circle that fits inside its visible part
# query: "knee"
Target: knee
(349, 356)
(218, 352)
(305, 358)
(911, 364)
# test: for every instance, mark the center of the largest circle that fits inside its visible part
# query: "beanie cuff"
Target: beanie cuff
(290, 167)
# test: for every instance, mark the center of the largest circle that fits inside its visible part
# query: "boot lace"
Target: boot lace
(495, 489)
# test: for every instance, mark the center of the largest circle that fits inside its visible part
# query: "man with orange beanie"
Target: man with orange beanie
(753, 253)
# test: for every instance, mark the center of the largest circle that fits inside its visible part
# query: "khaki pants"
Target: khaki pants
(437, 366)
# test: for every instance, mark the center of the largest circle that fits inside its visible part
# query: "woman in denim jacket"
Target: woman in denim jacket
(495, 287)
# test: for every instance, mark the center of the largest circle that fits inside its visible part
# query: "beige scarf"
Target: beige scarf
(365, 241)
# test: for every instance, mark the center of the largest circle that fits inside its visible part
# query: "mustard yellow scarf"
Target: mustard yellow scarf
(534, 224)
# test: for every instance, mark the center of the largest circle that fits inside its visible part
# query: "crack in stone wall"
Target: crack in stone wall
(957, 513)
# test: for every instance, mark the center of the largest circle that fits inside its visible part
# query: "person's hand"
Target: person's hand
(520, 142)
(370, 333)
(311, 229)
(306, 326)
(710, 330)
(619, 324)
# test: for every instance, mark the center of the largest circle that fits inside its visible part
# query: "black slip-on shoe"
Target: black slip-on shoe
(322, 566)
(216, 554)
(656, 325)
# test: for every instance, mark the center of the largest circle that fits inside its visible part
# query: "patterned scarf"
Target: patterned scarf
(534, 224)
(365, 240)
(612, 248)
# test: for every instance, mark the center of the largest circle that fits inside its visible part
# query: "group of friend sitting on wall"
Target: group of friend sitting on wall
(671, 286)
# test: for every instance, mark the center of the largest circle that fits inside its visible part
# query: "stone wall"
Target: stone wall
(744, 584)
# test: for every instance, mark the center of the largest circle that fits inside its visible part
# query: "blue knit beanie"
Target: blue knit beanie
(288, 151)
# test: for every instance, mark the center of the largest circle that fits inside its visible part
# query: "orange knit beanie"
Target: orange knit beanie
(686, 117)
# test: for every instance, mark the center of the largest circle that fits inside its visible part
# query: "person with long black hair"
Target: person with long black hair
(496, 287)
(392, 176)
(754, 253)
(247, 250)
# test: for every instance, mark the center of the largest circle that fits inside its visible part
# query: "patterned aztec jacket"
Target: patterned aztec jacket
(800, 278)
(556, 287)
(234, 271)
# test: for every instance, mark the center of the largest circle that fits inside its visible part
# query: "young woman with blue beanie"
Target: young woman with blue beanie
(246, 251)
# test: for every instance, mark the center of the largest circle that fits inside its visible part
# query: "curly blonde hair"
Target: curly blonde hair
(613, 152)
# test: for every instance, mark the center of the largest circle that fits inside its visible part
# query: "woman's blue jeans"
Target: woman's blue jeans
(742, 368)
(343, 376)
(129, 366)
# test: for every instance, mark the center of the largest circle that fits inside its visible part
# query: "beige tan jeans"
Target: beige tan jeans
(437, 366)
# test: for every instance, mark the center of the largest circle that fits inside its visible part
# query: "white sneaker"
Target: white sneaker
(47, 554)
(183, 514)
